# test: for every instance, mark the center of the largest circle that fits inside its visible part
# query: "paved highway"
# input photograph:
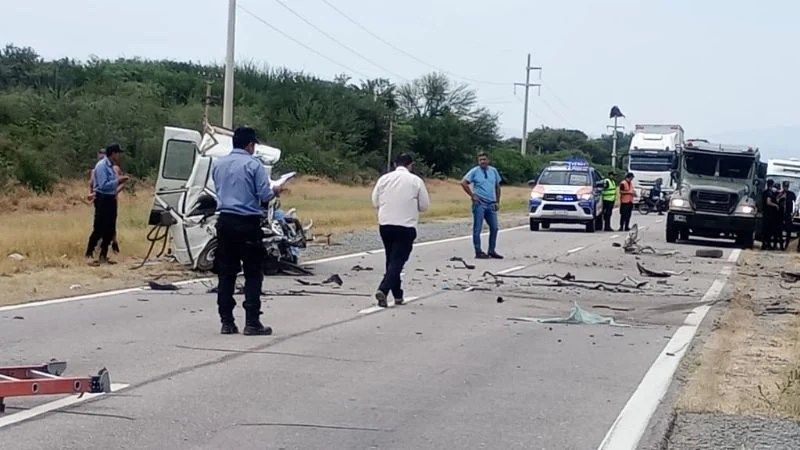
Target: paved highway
(447, 370)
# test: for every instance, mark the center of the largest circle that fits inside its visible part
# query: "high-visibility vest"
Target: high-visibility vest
(610, 191)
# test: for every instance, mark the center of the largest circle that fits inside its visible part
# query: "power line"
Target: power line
(287, 36)
(410, 55)
(338, 42)
(556, 113)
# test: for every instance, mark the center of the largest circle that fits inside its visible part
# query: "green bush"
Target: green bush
(31, 171)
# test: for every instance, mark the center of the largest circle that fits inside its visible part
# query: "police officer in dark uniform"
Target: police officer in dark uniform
(242, 185)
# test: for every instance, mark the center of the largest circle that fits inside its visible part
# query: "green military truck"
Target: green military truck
(717, 194)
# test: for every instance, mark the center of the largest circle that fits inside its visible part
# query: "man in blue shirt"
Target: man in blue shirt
(106, 185)
(242, 185)
(482, 184)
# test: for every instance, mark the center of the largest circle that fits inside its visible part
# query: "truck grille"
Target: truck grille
(716, 202)
(559, 208)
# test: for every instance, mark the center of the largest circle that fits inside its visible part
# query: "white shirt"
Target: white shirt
(400, 196)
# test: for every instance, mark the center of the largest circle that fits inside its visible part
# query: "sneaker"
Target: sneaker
(381, 297)
(256, 329)
(229, 328)
(481, 255)
(398, 301)
(495, 255)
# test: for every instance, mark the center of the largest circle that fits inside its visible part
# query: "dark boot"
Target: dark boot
(380, 296)
(254, 327)
(229, 328)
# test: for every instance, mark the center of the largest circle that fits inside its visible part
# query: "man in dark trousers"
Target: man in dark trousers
(242, 185)
(786, 200)
(399, 197)
(482, 184)
(771, 216)
(626, 194)
(609, 198)
(106, 184)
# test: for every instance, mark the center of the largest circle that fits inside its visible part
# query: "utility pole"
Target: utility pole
(227, 101)
(389, 156)
(206, 103)
(527, 85)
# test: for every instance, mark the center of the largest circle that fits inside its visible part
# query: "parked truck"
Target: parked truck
(717, 193)
(652, 153)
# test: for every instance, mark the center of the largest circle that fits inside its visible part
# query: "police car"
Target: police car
(567, 192)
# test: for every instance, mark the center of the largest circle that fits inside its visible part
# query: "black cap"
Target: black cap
(113, 148)
(628, 175)
(244, 136)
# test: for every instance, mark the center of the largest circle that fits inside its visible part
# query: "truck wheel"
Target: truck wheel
(590, 226)
(672, 232)
(534, 225)
(205, 261)
(545, 225)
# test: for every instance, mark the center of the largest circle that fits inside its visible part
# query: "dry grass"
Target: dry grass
(749, 364)
(51, 231)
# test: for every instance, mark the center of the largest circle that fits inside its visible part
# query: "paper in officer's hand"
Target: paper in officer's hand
(283, 179)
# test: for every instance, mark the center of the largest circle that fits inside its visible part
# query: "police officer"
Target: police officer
(609, 198)
(242, 185)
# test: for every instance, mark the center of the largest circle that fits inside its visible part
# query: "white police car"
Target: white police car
(567, 192)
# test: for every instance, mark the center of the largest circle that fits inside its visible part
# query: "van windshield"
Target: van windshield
(564, 178)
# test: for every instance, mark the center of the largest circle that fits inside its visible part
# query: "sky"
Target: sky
(724, 70)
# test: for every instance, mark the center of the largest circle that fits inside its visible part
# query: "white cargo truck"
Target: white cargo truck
(652, 154)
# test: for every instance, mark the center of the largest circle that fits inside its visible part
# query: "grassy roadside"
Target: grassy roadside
(750, 364)
(51, 231)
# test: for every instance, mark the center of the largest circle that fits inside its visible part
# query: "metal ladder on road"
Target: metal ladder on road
(46, 379)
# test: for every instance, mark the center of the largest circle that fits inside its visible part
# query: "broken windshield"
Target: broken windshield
(725, 166)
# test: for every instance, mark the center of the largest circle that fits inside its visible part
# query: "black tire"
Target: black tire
(590, 228)
(672, 232)
(545, 225)
(644, 208)
(534, 225)
(745, 240)
(205, 261)
(683, 234)
(708, 253)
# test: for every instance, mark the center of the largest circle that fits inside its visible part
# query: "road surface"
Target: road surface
(447, 370)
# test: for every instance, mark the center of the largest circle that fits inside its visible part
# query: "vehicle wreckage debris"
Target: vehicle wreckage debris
(656, 273)
(461, 260)
(708, 253)
(304, 292)
(162, 286)
(569, 280)
(577, 316)
(612, 308)
(633, 246)
(360, 268)
(500, 300)
(335, 278)
(790, 277)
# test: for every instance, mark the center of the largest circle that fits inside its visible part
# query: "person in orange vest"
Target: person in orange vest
(626, 194)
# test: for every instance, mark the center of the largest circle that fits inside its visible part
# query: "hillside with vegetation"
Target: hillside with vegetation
(55, 114)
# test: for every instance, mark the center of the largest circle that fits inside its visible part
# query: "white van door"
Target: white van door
(178, 153)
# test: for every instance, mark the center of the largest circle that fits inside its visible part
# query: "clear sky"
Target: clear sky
(723, 69)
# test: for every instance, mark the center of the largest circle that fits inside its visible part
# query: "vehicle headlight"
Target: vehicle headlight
(746, 209)
(678, 203)
(585, 196)
(536, 195)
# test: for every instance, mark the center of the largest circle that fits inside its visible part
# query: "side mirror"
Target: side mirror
(531, 183)
(600, 184)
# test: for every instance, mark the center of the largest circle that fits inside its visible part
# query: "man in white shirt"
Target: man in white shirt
(399, 196)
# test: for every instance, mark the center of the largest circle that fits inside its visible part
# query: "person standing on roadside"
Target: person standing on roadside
(786, 201)
(399, 197)
(242, 185)
(106, 185)
(609, 199)
(626, 194)
(482, 185)
(771, 216)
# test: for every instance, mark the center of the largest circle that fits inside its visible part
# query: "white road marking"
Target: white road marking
(202, 280)
(614, 236)
(27, 414)
(377, 308)
(575, 250)
(734, 256)
(511, 269)
(659, 220)
(632, 421)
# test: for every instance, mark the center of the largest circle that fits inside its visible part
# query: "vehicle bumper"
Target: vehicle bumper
(561, 212)
(711, 222)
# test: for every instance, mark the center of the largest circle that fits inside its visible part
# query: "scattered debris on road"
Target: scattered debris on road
(708, 253)
(335, 278)
(577, 316)
(612, 308)
(461, 260)
(633, 246)
(162, 286)
(360, 268)
(656, 273)
(500, 300)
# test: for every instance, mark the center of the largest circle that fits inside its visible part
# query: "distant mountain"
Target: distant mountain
(776, 142)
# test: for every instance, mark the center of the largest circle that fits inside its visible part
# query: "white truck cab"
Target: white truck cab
(653, 151)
